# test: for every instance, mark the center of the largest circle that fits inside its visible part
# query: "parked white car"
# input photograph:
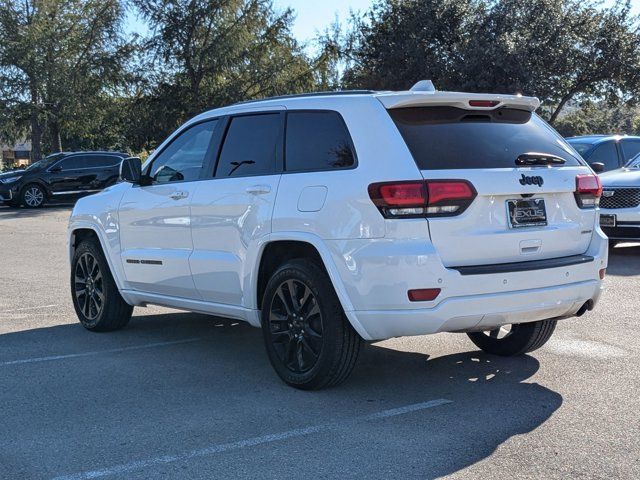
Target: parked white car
(328, 219)
(620, 203)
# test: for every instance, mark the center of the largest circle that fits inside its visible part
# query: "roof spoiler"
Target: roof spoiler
(424, 93)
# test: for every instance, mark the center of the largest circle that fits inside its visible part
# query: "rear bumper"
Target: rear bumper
(480, 312)
(377, 274)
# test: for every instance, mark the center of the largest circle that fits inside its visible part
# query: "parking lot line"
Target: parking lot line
(30, 308)
(249, 442)
(95, 352)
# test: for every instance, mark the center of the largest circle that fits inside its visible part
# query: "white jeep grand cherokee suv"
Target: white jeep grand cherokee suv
(328, 219)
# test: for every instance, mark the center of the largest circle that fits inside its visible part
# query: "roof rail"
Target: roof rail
(312, 94)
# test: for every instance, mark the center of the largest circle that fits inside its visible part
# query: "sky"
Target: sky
(314, 16)
(311, 15)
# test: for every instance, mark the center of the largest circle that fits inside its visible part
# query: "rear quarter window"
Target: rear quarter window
(317, 141)
(443, 138)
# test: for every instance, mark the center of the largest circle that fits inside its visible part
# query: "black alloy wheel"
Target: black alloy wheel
(308, 338)
(89, 287)
(295, 324)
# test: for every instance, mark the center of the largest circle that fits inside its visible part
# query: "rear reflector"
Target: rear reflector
(483, 103)
(603, 272)
(431, 198)
(423, 294)
(588, 191)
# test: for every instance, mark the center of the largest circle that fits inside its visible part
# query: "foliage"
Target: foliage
(559, 50)
(215, 52)
(599, 118)
(70, 77)
(57, 60)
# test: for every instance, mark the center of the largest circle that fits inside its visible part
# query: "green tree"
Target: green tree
(399, 42)
(214, 52)
(58, 60)
(559, 50)
(599, 118)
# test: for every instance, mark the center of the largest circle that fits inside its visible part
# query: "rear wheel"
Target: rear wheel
(309, 341)
(96, 298)
(33, 196)
(517, 339)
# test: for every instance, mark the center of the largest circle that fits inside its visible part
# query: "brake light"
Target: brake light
(431, 198)
(588, 191)
(483, 103)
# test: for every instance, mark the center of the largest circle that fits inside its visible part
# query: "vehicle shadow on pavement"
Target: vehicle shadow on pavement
(624, 260)
(9, 213)
(174, 382)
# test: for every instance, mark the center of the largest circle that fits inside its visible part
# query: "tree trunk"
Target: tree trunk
(36, 138)
(56, 141)
(36, 128)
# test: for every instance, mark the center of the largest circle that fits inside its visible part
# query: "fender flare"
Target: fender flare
(251, 279)
(85, 225)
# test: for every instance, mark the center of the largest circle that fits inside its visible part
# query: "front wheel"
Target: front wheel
(309, 341)
(517, 339)
(96, 298)
(33, 196)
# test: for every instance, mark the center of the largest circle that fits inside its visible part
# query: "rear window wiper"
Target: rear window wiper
(533, 158)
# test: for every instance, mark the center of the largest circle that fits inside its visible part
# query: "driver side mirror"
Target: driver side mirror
(597, 167)
(55, 169)
(131, 170)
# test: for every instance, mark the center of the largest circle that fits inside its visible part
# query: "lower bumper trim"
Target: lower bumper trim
(524, 266)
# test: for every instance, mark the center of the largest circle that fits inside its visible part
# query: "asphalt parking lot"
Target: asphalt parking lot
(179, 395)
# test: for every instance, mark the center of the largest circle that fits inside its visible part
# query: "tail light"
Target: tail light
(588, 191)
(419, 199)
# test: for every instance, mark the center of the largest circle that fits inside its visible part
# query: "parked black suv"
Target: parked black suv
(61, 176)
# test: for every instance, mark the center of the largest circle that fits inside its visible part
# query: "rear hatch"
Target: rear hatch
(522, 176)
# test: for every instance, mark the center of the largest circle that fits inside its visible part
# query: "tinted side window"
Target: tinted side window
(250, 147)
(606, 153)
(630, 148)
(182, 160)
(103, 161)
(73, 163)
(449, 138)
(317, 141)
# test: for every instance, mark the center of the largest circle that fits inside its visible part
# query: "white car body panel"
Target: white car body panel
(229, 218)
(211, 242)
(155, 227)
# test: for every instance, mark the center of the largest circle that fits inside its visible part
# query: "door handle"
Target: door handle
(179, 195)
(258, 189)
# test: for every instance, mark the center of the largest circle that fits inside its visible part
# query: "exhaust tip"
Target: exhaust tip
(588, 305)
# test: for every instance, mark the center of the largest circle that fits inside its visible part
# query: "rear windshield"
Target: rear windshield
(442, 138)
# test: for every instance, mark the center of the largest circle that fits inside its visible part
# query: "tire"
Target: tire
(522, 338)
(310, 343)
(96, 299)
(33, 196)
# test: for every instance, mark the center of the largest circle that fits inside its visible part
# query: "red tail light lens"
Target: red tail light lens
(403, 194)
(431, 198)
(588, 191)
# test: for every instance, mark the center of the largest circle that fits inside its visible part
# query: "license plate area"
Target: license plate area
(608, 220)
(527, 212)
